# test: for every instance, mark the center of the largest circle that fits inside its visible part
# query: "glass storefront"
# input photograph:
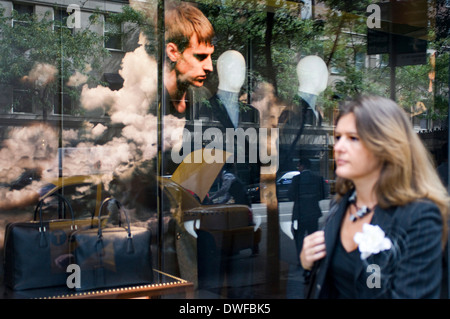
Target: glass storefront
(199, 138)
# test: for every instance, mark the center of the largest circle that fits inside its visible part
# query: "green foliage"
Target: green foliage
(345, 27)
(31, 40)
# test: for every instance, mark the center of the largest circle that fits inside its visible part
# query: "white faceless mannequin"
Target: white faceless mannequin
(231, 71)
(312, 73)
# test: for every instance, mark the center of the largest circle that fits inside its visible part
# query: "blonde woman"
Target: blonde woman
(385, 235)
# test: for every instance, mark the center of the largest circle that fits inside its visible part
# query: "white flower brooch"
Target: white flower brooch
(372, 240)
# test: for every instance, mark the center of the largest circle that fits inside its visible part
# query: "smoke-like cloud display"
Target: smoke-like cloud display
(36, 148)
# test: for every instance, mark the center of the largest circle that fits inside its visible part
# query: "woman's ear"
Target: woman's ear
(172, 52)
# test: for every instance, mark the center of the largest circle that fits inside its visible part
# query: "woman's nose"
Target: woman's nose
(338, 145)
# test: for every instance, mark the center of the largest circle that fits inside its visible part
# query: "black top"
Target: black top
(342, 271)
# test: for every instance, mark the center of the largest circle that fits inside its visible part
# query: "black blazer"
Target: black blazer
(411, 269)
(215, 110)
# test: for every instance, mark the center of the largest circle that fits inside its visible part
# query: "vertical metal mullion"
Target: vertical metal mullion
(160, 126)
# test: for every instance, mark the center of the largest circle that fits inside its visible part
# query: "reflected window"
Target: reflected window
(61, 16)
(113, 35)
(23, 10)
(22, 101)
(63, 103)
(335, 69)
(360, 60)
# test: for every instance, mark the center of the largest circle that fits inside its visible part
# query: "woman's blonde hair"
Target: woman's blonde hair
(408, 172)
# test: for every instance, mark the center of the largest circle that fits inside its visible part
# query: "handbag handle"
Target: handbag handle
(120, 208)
(66, 203)
(130, 246)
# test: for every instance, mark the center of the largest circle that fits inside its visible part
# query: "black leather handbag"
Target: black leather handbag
(112, 256)
(36, 252)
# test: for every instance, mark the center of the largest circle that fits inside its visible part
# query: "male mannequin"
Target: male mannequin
(312, 73)
(225, 106)
(231, 71)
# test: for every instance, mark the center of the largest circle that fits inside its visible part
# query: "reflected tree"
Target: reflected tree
(46, 58)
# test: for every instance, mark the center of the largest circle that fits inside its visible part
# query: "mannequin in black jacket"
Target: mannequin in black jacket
(312, 74)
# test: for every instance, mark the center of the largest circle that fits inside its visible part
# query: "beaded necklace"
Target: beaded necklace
(360, 211)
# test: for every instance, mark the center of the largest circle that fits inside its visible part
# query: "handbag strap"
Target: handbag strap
(121, 210)
(65, 202)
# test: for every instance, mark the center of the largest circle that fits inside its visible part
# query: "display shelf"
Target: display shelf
(165, 284)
